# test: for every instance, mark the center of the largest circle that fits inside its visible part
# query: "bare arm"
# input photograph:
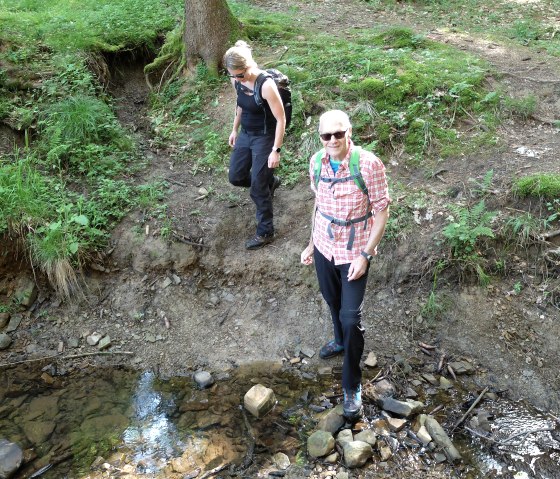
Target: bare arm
(307, 253)
(236, 121)
(271, 95)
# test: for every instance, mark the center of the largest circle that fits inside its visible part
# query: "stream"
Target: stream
(88, 422)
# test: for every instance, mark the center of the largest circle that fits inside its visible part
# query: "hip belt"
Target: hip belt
(350, 223)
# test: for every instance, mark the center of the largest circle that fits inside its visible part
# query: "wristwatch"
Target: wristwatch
(367, 256)
(277, 150)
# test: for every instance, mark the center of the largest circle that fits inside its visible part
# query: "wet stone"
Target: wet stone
(11, 457)
(320, 443)
(203, 379)
(332, 421)
(462, 367)
(259, 400)
(14, 323)
(367, 435)
(281, 460)
(5, 341)
(344, 437)
(4, 318)
(357, 453)
(402, 408)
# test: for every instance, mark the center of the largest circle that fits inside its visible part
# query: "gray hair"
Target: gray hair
(239, 57)
(335, 116)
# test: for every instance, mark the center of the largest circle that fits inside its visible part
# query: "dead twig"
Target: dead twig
(182, 239)
(450, 369)
(73, 356)
(213, 471)
(473, 405)
(175, 182)
(524, 433)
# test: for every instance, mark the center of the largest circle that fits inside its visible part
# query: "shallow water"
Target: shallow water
(139, 423)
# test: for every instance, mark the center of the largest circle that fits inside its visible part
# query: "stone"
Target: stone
(445, 383)
(14, 323)
(332, 420)
(396, 424)
(344, 437)
(5, 341)
(379, 390)
(462, 367)
(11, 457)
(320, 443)
(307, 352)
(402, 408)
(385, 453)
(105, 343)
(281, 460)
(38, 431)
(430, 378)
(93, 339)
(440, 437)
(371, 360)
(203, 379)
(332, 458)
(424, 436)
(324, 371)
(356, 453)
(26, 291)
(367, 435)
(259, 400)
(342, 475)
(4, 318)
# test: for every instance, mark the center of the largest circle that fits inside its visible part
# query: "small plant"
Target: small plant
(482, 188)
(466, 228)
(543, 185)
(517, 288)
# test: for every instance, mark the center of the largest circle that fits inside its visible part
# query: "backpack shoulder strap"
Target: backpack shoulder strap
(317, 167)
(354, 165)
(257, 92)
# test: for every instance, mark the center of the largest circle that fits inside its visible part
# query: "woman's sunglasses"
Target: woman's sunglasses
(337, 134)
(237, 75)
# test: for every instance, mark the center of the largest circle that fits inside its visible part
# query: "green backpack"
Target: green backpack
(353, 164)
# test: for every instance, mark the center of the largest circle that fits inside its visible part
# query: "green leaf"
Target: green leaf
(73, 247)
(80, 219)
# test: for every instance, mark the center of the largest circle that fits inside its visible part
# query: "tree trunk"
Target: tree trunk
(210, 28)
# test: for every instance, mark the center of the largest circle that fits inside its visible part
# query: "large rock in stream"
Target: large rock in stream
(11, 457)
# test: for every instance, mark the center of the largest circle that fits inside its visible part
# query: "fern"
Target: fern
(468, 226)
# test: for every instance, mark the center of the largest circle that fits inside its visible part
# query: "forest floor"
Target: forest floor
(180, 307)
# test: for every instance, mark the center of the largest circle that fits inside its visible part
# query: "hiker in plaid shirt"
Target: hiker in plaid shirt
(348, 221)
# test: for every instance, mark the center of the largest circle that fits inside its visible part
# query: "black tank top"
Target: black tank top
(254, 117)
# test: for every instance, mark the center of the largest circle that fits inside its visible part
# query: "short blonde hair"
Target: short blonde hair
(239, 57)
(335, 116)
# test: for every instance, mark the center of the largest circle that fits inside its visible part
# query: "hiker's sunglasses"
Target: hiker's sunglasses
(237, 75)
(337, 134)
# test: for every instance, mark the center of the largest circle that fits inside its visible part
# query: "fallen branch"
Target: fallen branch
(551, 234)
(473, 405)
(73, 356)
(182, 239)
(213, 471)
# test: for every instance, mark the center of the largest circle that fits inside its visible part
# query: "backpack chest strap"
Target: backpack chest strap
(334, 221)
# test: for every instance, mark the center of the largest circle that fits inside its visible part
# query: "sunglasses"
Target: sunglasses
(237, 75)
(337, 134)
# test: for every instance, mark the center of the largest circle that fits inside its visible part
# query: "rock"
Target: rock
(462, 367)
(93, 339)
(320, 443)
(324, 371)
(4, 318)
(356, 453)
(203, 379)
(38, 431)
(281, 460)
(26, 291)
(396, 424)
(11, 457)
(14, 323)
(410, 393)
(307, 352)
(5, 341)
(385, 453)
(402, 408)
(371, 360)
(344, 437)
(332, 420)
(105, 343)
(445, 383)
(430, 378)
(342, 475)
(73, 343)
(442, 439)
(379, 390)
(166, 282)
(259, 400)
(332, 458)
(423, 435)
(367, 435)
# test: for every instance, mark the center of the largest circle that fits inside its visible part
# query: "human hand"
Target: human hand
(358, 268)
(232, 138)
(273, 160)
(307, 255)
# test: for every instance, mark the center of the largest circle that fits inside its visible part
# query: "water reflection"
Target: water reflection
(151, 436)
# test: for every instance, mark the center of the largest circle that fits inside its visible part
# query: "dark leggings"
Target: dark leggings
(345, 300)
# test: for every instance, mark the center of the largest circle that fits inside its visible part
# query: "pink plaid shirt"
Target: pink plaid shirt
(345, 201)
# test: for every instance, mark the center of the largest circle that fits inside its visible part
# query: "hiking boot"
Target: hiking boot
(276, 182)
(257, 241)
(352, 405)
(331, 349)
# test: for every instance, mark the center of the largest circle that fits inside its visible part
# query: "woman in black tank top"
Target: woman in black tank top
(256, 138)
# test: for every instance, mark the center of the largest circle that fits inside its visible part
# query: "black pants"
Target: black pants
(345, 300)
(248, 166)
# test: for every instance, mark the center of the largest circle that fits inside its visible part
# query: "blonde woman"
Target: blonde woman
(256, 138)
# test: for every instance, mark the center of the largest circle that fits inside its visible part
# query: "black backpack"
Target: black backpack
(283, 85)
